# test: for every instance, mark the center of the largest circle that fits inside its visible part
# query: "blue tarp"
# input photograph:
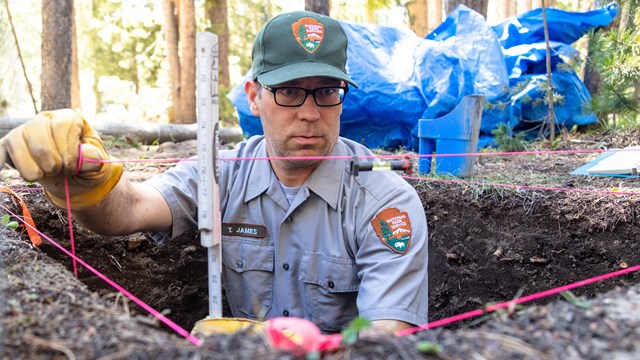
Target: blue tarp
(404, 78)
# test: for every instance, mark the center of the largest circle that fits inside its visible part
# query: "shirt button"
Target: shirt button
(285, 266)
(239, 264)
(331, 285)
(285, 313)
(287, 220)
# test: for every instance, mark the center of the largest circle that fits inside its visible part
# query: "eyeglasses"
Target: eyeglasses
(289, 96)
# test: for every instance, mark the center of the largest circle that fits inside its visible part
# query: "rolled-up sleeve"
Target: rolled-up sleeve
(392, 268)
(179, 187)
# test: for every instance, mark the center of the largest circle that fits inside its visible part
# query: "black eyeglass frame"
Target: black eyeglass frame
(313, 92)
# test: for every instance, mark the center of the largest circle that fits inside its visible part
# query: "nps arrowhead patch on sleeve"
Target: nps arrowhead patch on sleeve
(394, 229)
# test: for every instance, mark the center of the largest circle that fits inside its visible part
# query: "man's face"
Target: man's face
(307, 130)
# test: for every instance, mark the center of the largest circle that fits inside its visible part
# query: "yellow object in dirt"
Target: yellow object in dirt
(212, 326)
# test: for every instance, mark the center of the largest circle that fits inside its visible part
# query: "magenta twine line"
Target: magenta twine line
(583, 151)
(80, 158)
(71, 238)
(194, 340)
(400, 156)
(521, 300)
(531, 187)
(342, 157)
(137, 160)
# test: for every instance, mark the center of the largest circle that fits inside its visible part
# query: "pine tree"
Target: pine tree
(616, 58)
(386, 232)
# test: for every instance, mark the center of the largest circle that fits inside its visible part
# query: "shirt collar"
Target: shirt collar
(327, 178)
(323, 181)
(260, 175)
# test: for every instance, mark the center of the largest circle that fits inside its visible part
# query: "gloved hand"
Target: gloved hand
(52, 146)
(211, 326)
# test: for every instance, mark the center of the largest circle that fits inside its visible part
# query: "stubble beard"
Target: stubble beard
(300, 163)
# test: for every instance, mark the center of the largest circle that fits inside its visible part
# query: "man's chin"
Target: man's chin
(297, 158)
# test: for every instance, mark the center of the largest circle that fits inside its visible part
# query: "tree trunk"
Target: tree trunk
(524, 6)
(187, 39)
(217, 14)
(141, 131)
(424, 15)
(418, 17)
(434, 13)
(507, 8)
(317, 6)
(56, 54)
(538, 4)
(481, 6)
(171, 37)
(75, 71)
(592, 78)
(3, 103)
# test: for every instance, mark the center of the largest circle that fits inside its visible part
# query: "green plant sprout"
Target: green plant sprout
(428, 348)
(574, 300)
(7, 223)
(506, 141)
(350, 333)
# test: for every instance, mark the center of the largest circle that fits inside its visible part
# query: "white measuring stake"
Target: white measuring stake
(208, 171)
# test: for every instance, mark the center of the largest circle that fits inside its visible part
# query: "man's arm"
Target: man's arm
(61, 151)
(393, 257)
(128, 208)
(389, 326)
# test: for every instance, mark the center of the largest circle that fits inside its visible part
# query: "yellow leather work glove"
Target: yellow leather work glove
(48, 148)
(212, 326)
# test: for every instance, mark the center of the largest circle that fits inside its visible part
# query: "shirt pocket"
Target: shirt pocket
(331, 290)
(248, 271)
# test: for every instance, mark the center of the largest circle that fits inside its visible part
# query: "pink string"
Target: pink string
(80, 159)
(175, 327)
(399, 156)
(531, 187)
(73, 246)
(521, 300)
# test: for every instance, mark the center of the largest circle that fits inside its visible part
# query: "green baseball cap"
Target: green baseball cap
(297, 45)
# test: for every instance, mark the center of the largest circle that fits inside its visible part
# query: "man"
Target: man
(301, 236)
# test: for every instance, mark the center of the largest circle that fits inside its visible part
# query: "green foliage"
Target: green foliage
(429, 348)
(378, 4)
(558, 99)
(508, 142)
(121, 142)
(574, 300)
(228, 115)
(350, 334)
(4, 104)
(246, 18)
(518, 90)
(124, 42)
(616, 57)
(6, 222)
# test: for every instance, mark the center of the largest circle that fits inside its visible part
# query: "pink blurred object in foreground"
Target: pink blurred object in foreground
(295, 334)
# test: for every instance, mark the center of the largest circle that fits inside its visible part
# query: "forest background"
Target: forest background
(134, 60)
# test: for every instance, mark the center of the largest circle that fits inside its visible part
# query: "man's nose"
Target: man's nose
(309, 110)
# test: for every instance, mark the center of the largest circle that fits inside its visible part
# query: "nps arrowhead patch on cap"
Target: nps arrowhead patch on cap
(394, 229)
(309, 33)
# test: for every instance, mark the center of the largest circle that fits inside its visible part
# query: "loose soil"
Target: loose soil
(488, 244)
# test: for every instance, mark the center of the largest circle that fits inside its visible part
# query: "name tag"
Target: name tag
(250, 230)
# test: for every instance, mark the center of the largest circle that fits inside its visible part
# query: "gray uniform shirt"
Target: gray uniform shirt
(347, 245)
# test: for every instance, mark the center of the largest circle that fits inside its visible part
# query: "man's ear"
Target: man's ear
(251, 88)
